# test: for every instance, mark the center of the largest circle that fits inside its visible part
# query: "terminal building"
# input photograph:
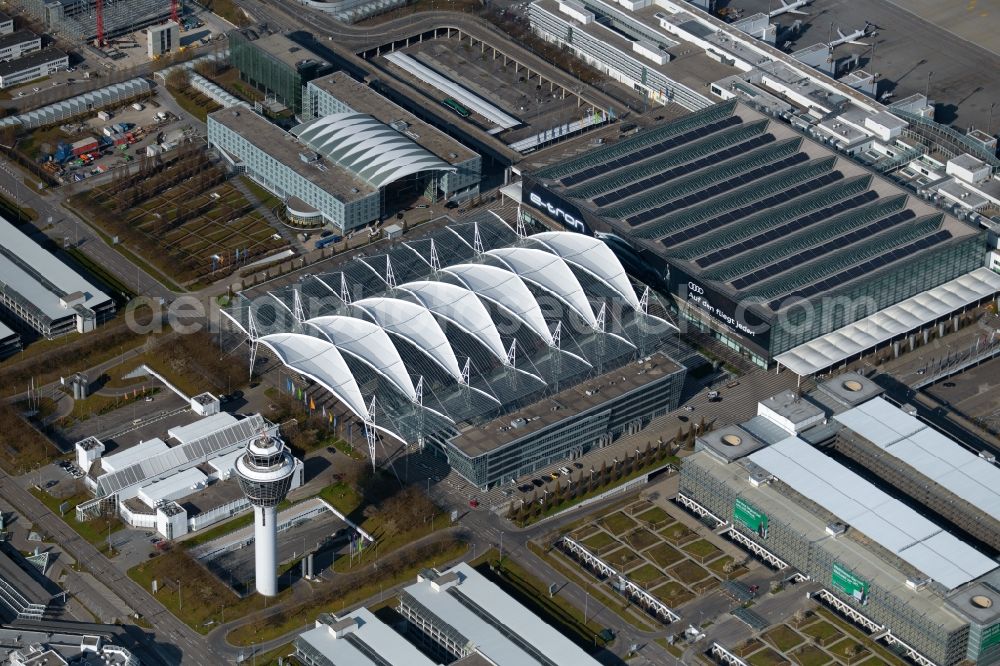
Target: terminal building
(174, 489)
(275, 65)
(901, 568)
(763, 237)
(345, 167)
(457, 616)
(500, 353)
(44, 293)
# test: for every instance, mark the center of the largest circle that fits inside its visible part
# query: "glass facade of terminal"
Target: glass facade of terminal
(269, 74)
(944, 645)
(284, 181)
(573, 436)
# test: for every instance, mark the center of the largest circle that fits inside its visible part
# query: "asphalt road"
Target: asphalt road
(67, 225)
(175, 642)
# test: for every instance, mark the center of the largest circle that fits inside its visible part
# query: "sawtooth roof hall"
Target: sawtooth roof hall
(751, 225)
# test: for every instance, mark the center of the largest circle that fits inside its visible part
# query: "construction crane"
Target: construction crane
(100, 24)
(175, 12)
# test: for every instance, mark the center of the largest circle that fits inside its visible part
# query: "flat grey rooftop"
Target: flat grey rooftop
(284, 49)
(359, 639)
(16, 37)
(287, 149)
(39, 278)
(499, 627)
(792, 407)
(852, 553)
(477, 440)
(33, 59)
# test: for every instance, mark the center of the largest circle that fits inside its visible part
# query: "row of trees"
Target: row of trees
(587, 482)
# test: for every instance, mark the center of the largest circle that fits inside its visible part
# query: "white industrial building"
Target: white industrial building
(44, 292)
(32, 66)
(162, 39)
(457, 616)
(16, 44)
(459, 613)
(176, 488)
(6, 24)
(357, 638)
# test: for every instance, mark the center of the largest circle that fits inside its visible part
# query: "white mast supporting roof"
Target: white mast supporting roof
(549, 272)
(320, 361)
(369, 343)
(461, 307)
(506, 289)
(416, 324)
(592, 255)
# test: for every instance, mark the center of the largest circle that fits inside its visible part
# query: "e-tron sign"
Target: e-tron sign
(557, 213)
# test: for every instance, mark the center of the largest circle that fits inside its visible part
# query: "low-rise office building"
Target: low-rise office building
(32, 66)
(10, 341)
(276, 65)
(44, 293)
(357, 638)
(6, 24)
(16, 44)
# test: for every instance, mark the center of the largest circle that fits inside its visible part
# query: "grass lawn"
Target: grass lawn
(599, 541)
(766, 657)
(342, 497)
(701, 550)
(191, 593)
(783, 637)
(347, 591)
(641, 539)
(810, 655)
(672, 593)
(645, 575)
(718, 565)
(822, 631)
(95, 531)
(664, 555)
(623, 558)
(655, 516)
(688, 572)
(617, 523)
(849, 651)
(850, 630)
(678, 534)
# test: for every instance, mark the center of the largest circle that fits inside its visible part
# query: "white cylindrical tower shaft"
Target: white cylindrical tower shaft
(266, 549)
(265, 475)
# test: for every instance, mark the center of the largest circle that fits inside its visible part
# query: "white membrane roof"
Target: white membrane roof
(461, 307)
(507, 290)
(549, 272)
(592, 255)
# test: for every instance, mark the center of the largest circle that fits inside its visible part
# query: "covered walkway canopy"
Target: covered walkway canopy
(874, 330)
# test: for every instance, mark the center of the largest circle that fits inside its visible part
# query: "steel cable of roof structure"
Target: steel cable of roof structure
(937, 457)
(887, 521)
(507, 290)
(592, 255)
(461, 307)
(416, 324)
(484, 108)
(501, 297)
(88, 102)
(894, 321)
(550, 272)
(198, 450)
(368, 342)
(374, 151)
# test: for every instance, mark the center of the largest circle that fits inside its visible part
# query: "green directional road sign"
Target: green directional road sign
(845, 581)
(750, 516)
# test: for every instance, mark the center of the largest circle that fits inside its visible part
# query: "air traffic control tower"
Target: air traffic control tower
(265, 473)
